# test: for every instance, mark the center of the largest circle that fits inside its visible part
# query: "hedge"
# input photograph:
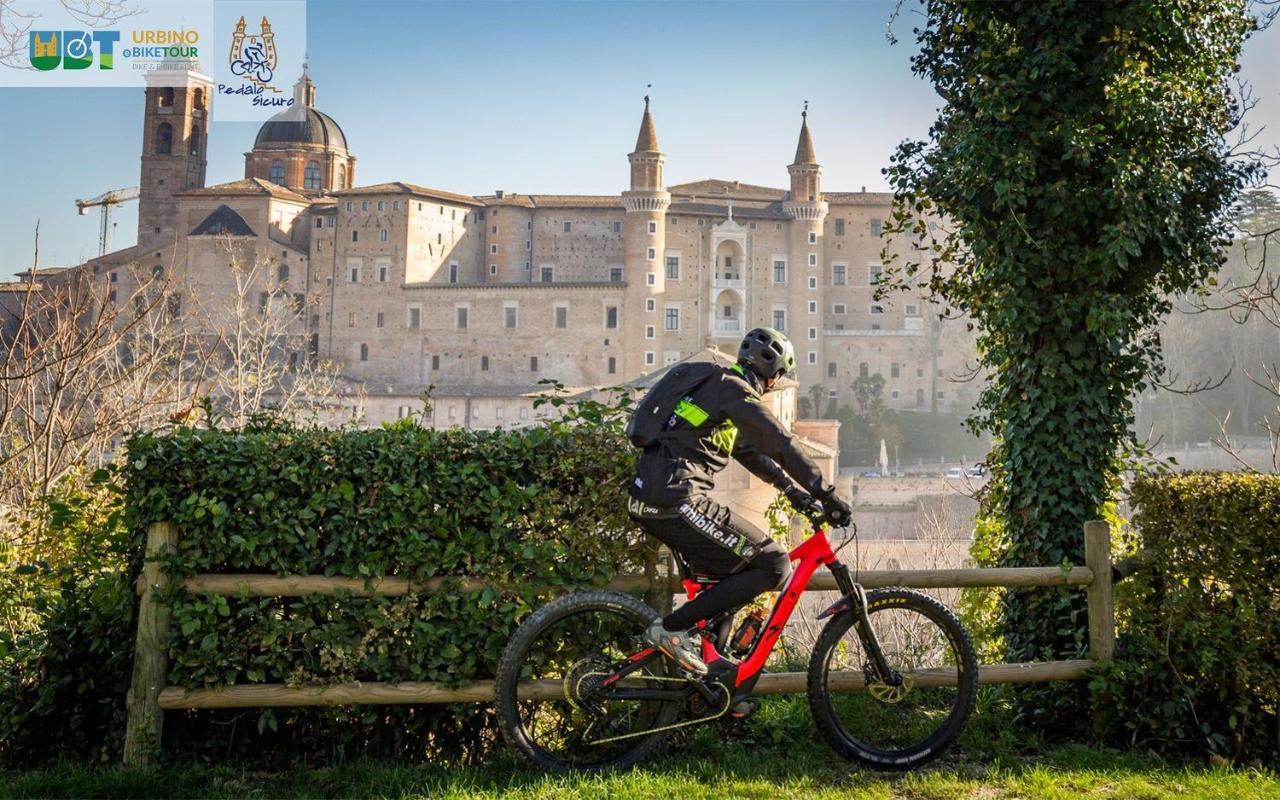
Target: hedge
(1198, 658)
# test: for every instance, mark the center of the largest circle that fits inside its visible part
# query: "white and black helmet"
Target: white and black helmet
(767, 352)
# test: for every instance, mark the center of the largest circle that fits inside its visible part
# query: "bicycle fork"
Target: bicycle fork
(856, 598)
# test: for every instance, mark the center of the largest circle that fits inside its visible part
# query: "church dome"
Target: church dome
(295, 126)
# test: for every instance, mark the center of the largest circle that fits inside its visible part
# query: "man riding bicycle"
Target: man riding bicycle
(715, 413)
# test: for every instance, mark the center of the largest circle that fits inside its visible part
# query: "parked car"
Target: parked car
(871, 473)
(955, 472)
(976, 471)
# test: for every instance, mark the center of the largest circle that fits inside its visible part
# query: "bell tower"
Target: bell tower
(805, 207)
(646, 204)
(175, 127)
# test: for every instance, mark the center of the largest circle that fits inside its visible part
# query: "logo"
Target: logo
(72, 50)
(253, 57)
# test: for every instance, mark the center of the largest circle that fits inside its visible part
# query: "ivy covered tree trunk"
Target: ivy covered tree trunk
(1077, 176)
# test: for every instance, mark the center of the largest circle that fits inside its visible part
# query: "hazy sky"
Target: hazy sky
(530, 97)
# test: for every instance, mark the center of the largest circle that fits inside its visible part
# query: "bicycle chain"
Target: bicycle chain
(728, 700)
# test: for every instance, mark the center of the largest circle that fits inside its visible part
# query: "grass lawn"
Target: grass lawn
(777, 756)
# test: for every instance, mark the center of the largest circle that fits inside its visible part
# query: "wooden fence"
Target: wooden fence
(149, 697)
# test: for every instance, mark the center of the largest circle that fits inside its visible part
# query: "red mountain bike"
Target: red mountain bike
(891, 680)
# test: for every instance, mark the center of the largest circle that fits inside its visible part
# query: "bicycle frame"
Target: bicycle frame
(741, 676)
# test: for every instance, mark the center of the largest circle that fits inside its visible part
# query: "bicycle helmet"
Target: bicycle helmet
(767, 353)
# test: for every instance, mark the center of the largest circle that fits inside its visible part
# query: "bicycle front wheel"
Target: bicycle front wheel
(894, 726)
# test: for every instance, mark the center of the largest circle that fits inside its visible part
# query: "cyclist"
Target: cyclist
(721, 417)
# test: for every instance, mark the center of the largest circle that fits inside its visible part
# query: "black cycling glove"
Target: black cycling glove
(802, 501)
(839, 513)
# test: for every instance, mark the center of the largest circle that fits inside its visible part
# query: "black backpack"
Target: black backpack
(655, 413)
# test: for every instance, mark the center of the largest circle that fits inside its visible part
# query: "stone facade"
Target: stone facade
(410, 286)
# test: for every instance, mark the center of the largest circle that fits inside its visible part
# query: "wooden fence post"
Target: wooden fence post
(1100, 597)
(150, 657)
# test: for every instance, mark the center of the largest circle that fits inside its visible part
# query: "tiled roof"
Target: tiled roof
(246, 187)
(735, 189)
(224, 221)
(553, 200)
(400, 187)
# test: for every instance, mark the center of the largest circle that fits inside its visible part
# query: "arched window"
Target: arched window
(164, 139)
(166, 97)
(199, 99)
(342, 176)
(311, 178)
(282, 274)
(195, 141)
(277, 172)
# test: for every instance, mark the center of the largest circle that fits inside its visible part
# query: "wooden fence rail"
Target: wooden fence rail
(149, 697)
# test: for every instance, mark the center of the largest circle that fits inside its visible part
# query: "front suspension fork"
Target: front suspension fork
(862, 623)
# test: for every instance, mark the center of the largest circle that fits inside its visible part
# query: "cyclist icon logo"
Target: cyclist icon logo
(254, 57)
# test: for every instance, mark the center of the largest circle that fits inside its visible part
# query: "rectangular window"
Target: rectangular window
(813, 306)
(510, 316)
(673, 268)
(562, 317)
(351, 319)
(415, 318)
(353, 271)
(484, 363)
(650, 332)
(671, 320)
(831, 369)
(875, 227)
(813, 334)
(548, 274)
(382, 319)
(615, 274)
(493, 269)
(813, 357)
(780, 319)
(779, 271)
(384, 271)
(813, 259)
(876, 309)
(493, 249)
(568, 227)
(435, 363)
(461, 312)
(838, 308)
(894, 370)
(319, 222)
(395, 206)
(651, 253)
(355, 236)
(813, 237)
(874, 271)
(651, 279)
(813, 282)
(348, 205)
(364, 205)
(648, 358)
(838, 274)
(533, 363)
(613, 365)
(650, 304)
(840, 227)
(617, 227)
(382, 205)
(653, 227)
(611, 317)
(382, 234)
(911, 310)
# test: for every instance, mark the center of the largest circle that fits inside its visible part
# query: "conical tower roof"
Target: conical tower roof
(804, 148)
(647, 141)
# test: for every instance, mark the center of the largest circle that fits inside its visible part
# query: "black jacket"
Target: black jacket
(737, 425)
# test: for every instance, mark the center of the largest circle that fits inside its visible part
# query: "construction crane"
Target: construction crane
(107, 200)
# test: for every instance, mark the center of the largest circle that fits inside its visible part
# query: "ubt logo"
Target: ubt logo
(72, 49)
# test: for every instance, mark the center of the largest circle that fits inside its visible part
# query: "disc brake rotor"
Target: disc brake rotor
(888, 693)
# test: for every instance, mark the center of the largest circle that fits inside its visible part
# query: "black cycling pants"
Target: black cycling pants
(717, 543)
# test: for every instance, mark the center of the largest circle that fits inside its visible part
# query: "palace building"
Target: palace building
(483, 296)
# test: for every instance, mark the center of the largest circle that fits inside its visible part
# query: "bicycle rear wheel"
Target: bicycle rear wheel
(548, 707)
(886, 726)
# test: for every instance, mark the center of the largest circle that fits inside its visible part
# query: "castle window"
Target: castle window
(166, 97)
(493, 249)
(672, 318)
(813, 357)
(381, 319)
(195, 142)
(831, 369)
(382, 234)
(355, 236)
(894, 370)
(779, 271)
(876, 309)
(617, 227)
(840, 227)
(353, 272)
(364, 205)
(912, 310)
(615, 274)
(813, 334)
(453, 273)
(838, 308)
(510, 315)
(495, 230)
(111, 296)
(813, 306)
(648, 358)
(651, 279)
(164, 139)
(650, 332)
(650, 304)
(874, 271)
(382, 204)
(653, 227)
(493, 269)
(837, 274)
(395, 205)
(813, 259)
(342, 178)
(613, 365)
(568, 227)
(864, 369)
(364, 352)
(813, 282)
(349, 204)
(461, 312)
(673, 268)
(533, 363)
(813, 237)
(414, 320)
(562, 317)
(334, 219)
(651, 253)
(780, 319)
(276, 175)
(611, 317)
(282, 273)
(876, 227)
(319, 222)
(351, 318)
(548, 274)
(484, 363)
(435, 362)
